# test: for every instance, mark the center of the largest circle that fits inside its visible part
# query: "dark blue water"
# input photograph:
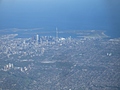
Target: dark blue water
(64, 14)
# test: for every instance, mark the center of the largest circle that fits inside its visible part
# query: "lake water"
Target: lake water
(63, 14)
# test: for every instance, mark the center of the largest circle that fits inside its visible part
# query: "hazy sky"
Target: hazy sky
(65, 14)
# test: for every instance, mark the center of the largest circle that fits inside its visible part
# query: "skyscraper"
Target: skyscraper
(37, 38)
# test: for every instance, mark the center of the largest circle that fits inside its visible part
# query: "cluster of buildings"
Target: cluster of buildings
(8, 67)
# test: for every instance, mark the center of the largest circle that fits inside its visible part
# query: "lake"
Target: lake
(63, 14)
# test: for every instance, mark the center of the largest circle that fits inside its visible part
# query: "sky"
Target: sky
(64, 14)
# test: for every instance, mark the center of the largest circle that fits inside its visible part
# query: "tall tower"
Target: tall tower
(56, 34)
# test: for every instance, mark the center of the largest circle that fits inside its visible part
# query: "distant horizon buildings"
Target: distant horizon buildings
(37, 38)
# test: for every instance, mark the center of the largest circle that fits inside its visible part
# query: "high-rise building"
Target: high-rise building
(37, 38)
(40, 40)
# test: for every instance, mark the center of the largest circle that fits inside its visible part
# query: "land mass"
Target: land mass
(88, 61)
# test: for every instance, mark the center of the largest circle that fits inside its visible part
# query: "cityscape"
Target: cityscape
(88, 61)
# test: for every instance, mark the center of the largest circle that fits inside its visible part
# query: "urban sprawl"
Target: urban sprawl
(89, 62)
